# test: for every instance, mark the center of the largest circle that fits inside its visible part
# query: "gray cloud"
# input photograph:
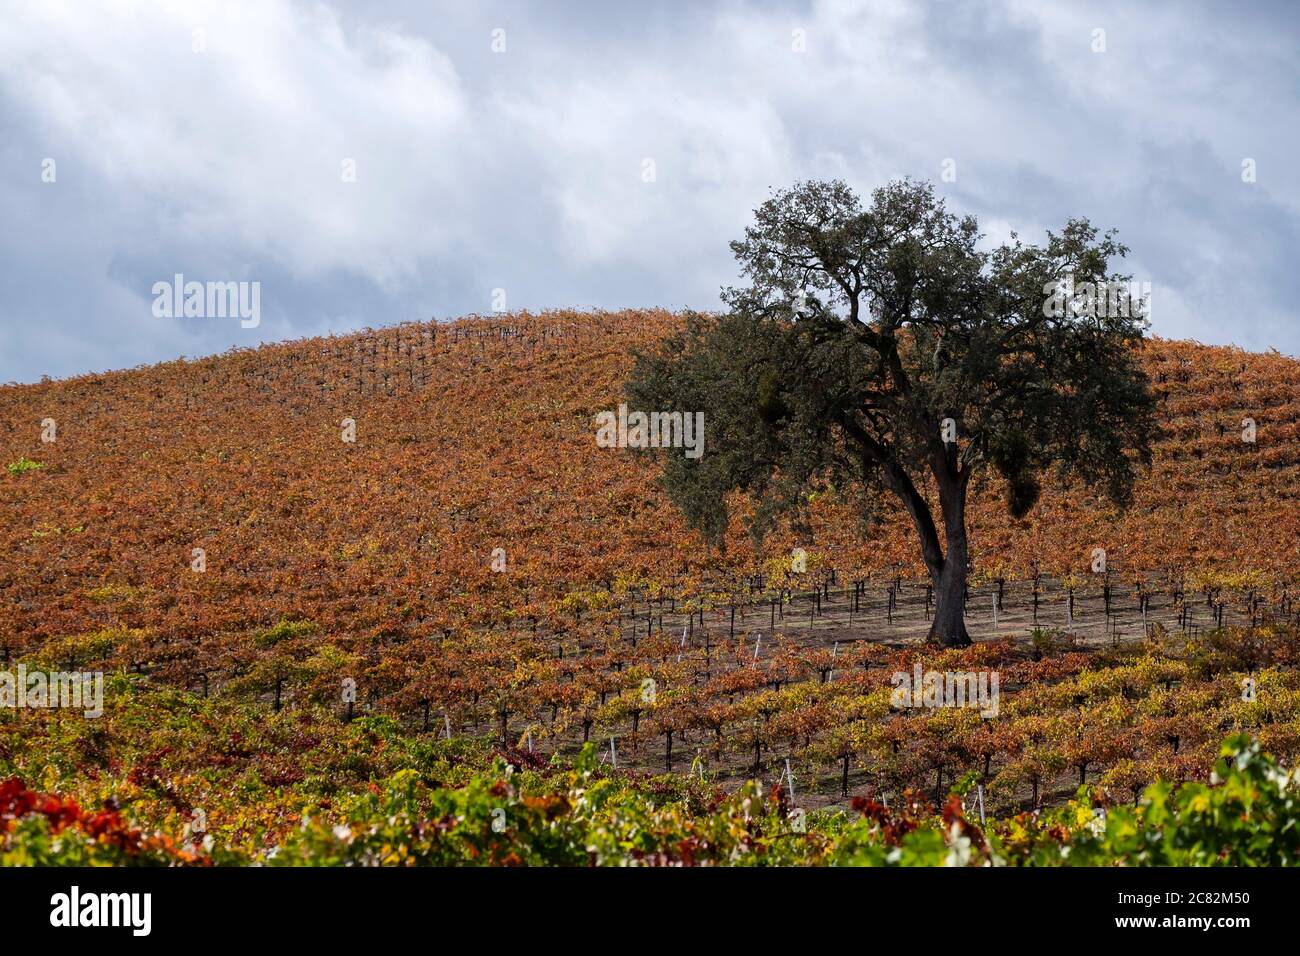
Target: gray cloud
(523, 170)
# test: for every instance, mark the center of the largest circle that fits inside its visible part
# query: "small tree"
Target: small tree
(882, 348)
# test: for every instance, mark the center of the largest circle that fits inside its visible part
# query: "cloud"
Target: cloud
(527, 169)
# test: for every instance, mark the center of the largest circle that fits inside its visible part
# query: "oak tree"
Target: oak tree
(888, 348)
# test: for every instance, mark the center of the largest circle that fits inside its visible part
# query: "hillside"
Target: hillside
(477, 435)
(327, 564)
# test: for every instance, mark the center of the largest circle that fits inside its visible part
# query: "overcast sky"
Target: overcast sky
(210, 139)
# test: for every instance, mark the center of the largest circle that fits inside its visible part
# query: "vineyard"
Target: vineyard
(331, 571)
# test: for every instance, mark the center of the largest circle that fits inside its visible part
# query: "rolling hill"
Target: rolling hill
(478, 435)
(291, 622)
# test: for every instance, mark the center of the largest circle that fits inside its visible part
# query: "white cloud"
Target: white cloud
(243, 143)
(524, 170)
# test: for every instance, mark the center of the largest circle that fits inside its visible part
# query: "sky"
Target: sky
(368, 164)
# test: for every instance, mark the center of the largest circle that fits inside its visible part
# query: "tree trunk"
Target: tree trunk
(948, 628)
(947, 569)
